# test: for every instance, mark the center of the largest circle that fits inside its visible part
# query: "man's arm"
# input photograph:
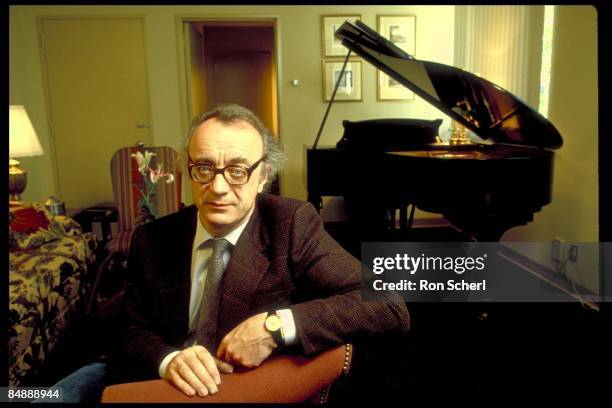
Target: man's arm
(192, 369)
(333, 277)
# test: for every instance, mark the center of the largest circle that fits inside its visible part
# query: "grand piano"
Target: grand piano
(483, 186)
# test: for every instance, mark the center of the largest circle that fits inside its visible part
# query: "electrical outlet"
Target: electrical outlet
(556, 252)
(573, 253)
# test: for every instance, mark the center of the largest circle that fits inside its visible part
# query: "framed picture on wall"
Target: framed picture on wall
(332, 47)
(349, 88)
(401, 31)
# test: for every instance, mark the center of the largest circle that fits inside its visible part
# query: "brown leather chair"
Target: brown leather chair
(280, 379)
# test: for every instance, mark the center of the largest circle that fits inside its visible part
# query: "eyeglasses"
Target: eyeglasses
(234, 174)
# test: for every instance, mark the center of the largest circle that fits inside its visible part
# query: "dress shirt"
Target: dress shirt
(200, 255)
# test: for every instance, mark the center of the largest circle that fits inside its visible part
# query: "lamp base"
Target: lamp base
(18, 179)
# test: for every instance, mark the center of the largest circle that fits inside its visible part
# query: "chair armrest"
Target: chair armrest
(285, 378)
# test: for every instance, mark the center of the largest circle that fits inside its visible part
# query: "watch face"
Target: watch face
(273, 323)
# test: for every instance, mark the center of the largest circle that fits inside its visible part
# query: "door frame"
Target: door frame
(183, 71)
(40, 19)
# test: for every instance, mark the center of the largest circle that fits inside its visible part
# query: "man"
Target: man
(207, 284)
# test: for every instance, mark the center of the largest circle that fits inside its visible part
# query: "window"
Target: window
(547, 38)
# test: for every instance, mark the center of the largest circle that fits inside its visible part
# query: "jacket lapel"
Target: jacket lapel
(245, 270)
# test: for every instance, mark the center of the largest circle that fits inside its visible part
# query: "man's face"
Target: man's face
(221, 206)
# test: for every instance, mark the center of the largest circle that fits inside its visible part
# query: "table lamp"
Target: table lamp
(23, 142)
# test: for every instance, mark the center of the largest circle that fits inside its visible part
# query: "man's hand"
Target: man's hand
(194, 369)
(248, 344)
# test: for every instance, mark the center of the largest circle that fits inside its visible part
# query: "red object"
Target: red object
(28, 220)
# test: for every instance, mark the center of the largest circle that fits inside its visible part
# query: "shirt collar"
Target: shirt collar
(232, 237)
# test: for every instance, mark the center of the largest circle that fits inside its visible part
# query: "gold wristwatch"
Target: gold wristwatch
(274, 325)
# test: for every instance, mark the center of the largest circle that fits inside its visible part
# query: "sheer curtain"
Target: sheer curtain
(502, 44)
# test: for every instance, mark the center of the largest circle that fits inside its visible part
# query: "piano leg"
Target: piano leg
(404, 218)
(405, 221)
(411, 219)
(316, 201)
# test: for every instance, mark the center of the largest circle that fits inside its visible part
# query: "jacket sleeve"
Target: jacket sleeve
(141, 347)
(325, 270)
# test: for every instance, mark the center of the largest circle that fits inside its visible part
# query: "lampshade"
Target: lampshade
(23, 141)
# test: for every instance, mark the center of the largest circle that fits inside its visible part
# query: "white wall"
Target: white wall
(299, 50)
(573, 108)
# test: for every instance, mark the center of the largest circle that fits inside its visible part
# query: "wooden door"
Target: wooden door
(194, 58)
(98, 100)
(245, 78)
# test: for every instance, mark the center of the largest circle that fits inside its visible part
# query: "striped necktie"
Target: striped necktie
(206, 323)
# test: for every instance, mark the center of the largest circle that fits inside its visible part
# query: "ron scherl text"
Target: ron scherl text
(425, 285)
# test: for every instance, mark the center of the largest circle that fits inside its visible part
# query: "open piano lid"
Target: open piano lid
(488, 110)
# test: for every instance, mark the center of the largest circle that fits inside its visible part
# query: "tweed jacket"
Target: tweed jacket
(284, 258)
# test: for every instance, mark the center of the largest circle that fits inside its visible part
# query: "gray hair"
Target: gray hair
(232, 114)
